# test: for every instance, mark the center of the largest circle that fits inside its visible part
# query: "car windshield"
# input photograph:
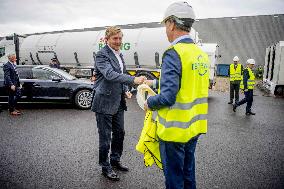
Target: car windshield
(64, 74)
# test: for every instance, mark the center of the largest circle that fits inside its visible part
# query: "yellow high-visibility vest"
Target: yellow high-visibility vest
(148, 143)
(187, 118)
(251, 80)
(235, 74)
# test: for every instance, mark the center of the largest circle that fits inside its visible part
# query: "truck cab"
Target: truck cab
(273, 75)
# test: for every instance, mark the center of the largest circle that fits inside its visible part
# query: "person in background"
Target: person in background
(259, 72)
(247, 85)
(12, 83)
(235, 73)
(109, 101)
(54, 63)
(181, 106)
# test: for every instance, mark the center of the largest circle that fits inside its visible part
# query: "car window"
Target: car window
(44, 74)
(2, 51)
(65, 74)
(25, 73)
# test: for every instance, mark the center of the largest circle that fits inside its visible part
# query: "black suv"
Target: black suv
(45, 84)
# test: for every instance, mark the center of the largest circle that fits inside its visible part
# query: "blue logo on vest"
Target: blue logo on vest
(201, 67)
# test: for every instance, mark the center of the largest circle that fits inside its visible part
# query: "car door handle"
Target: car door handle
(36, 85)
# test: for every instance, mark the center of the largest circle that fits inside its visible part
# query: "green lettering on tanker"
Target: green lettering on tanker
(101, 45)
(124, 46)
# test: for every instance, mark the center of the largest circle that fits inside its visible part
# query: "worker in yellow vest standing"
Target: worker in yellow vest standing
(181, 104)
(247, 84)
(235, 73)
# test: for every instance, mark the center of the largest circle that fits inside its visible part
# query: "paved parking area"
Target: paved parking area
(52, 147)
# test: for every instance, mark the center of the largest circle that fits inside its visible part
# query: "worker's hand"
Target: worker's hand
(139, 80)
(146, 107)
(149, 82)
(128, 94)
(13, 87)
(246, 90)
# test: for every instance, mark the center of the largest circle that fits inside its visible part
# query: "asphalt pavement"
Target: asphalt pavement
(56, 146)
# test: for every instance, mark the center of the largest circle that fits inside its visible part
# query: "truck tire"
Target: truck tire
(83, 99)
(279, 91)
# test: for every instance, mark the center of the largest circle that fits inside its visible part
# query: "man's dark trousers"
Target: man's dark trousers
(248, 99)
(234, 90)
(14, 96)
(111, 132)
(179, 164)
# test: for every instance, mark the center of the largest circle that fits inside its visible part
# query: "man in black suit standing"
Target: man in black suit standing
(54, 63)
(12, 83)
(109, 101)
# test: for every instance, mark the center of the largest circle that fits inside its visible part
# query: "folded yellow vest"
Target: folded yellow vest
(148, 143)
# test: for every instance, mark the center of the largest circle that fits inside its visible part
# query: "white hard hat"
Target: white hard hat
(236, 58)
(179, 9)
(251, 61)
(141, 97)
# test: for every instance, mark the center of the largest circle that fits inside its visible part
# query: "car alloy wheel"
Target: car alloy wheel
(83, 99)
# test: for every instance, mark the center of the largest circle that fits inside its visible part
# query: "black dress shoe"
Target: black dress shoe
(119, 166)
(234, 107)
(250, 113)
(111, 175)
(231, 102)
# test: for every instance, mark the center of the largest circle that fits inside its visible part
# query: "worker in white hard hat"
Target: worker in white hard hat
(235, 73)
(247, 84)
(181, 104)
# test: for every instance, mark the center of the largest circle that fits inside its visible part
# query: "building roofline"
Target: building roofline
(138, 25)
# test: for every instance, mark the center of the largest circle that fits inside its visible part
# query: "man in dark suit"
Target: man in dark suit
(12, 83)
(54, 63)
(109, 101)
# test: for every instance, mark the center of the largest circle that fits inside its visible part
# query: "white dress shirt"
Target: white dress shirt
(117, 55)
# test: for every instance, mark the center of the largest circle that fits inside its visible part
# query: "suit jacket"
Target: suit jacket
(110, 84)
(10, 75)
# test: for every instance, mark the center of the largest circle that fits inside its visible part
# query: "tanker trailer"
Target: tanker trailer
(75, 50)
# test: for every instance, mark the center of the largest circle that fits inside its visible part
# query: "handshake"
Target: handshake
(142, 79)
(139, 80)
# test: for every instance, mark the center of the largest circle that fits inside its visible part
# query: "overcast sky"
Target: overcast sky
(30, 16)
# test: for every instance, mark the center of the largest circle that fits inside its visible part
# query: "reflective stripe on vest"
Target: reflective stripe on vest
(235, 74)
(187, 118)
(186, 106)
(182, 125)
(250, 82)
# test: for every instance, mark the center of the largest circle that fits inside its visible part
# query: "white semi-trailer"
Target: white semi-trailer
(75, 50)
(273, 75)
